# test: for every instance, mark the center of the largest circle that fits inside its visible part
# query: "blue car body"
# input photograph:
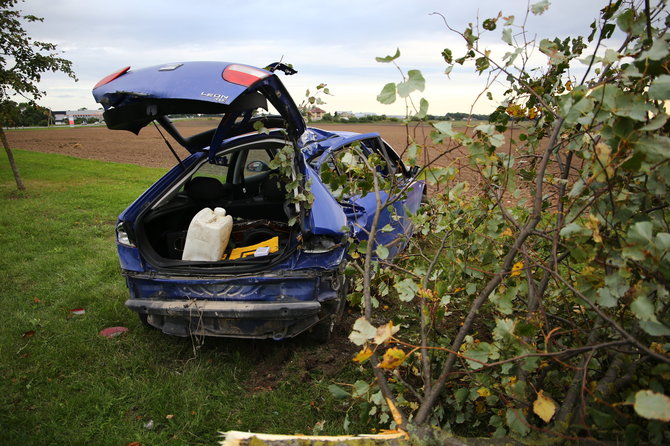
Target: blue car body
(299, 288)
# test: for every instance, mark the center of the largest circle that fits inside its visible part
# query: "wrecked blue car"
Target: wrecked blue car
(279, 271)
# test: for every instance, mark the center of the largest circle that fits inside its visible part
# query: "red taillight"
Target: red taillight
(243, 75)
(111, 77)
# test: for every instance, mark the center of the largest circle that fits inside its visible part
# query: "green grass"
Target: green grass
(62, 383)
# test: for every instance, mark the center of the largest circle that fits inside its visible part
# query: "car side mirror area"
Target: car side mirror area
(257, 166)
(413, 171)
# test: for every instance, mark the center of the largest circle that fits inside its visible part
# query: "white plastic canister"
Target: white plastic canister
(208, 235)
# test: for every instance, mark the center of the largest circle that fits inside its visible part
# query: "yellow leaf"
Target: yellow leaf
(658, 348)
(393, 358)
(593, 223)
(516, 111)
(507, 233)
(516, 269)
(363, 355)
(426, 293)
(568, 85)
(483, 391)
(544, 407)
(385, 332)
(397, 417)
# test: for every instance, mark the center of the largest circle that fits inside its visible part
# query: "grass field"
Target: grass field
(63, 383)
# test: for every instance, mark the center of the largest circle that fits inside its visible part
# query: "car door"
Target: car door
(399, 199)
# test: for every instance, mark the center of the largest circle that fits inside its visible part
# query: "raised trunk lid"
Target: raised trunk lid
(132, 99)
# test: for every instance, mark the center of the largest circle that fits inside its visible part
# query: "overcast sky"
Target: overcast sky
(334, 42)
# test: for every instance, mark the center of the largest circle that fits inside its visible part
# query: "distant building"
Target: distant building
(64, 117)
(315, 114)
(344, 114)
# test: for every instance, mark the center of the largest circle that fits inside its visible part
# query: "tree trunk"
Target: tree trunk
(12, 163)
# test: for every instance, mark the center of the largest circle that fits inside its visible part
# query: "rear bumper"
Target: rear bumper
(258, 320)
(270, 305)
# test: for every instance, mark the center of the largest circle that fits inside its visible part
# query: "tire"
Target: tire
(144, 320)
(322, 331)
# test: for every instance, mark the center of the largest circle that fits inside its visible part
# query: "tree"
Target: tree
(22, 63)
(535, 299)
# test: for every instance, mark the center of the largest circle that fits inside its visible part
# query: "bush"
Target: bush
(539, 302)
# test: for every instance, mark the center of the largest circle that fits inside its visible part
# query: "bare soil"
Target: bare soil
(148, 148)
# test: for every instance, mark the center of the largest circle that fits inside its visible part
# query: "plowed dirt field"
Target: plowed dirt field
(149, 149)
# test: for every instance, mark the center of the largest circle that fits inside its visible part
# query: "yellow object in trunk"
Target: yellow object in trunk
(263, 248)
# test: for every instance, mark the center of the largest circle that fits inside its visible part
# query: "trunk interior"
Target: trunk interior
(258, 210)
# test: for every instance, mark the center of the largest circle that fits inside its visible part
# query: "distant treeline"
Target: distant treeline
(25, 114)
(377, 118)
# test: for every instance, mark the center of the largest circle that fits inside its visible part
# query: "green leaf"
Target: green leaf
(407, 289)
(643, 309)
(655, 147)
(388, 59)
(662, 241)
(382, 252)
(574, 229)
(659, 50)
(482, 63)
(361, 388)
(387, 228)
(640, 233)
(423, 109)
(504, 329)
(489, 24)
(625, 20)
(260, 128)
(338, 392)
(615, 288)
(448, 57)
(480, 353)
(470, 38)
(507, 36)
(632, 106)
(388, 94)
(660, 88)
(461, 395)
(652, 405)
(516, 421)
(503, 303)
(605, 298)
(415, 81)
(657, 122)
(655, 328)
(551, 49)
(444, 127)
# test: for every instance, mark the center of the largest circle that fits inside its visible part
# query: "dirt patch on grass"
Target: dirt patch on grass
(300, 359)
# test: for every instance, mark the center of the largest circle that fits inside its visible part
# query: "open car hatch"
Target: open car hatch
(133, 99)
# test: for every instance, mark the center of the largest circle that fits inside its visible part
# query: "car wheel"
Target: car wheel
(144, 319)
(322, 331)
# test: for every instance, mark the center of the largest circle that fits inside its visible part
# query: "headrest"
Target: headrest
(205, 189)
(272, 189)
